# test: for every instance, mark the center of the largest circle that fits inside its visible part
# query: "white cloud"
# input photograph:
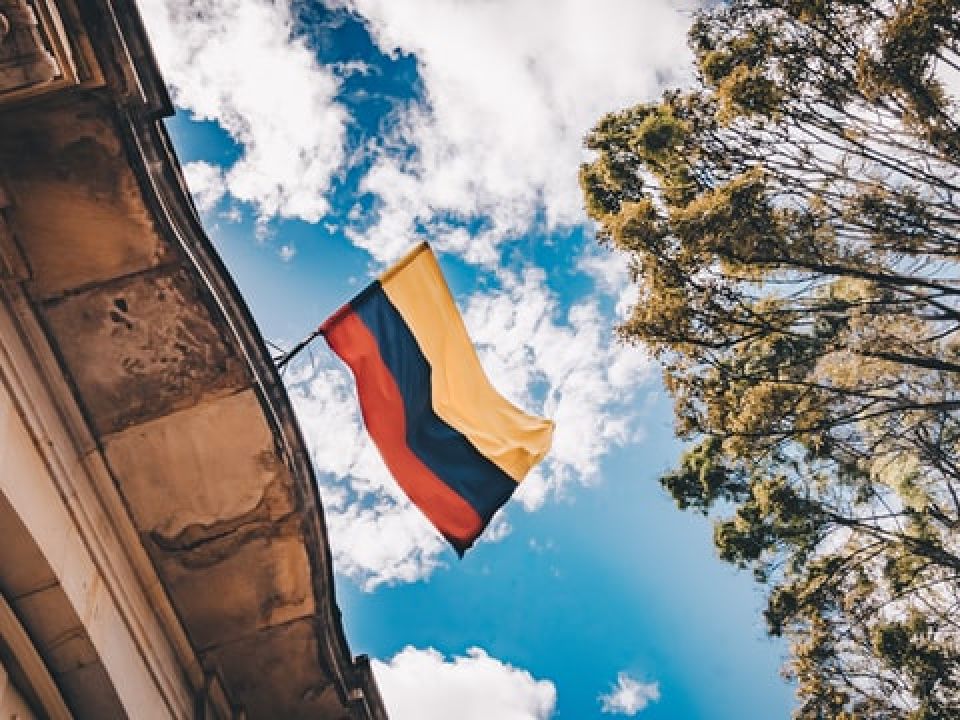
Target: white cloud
(949, 76)
(238, 63)
(423, 685)
(607, 267)
(511, 87)
(206, 184)
(629, 696)
(587, 380)
(609, 270)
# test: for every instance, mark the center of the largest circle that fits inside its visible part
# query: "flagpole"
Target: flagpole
(298, 348)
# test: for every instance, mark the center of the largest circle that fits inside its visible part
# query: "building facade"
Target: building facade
(162, 546)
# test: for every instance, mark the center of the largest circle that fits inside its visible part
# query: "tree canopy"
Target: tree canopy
(792, 223)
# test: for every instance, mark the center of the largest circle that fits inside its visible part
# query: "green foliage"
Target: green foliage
(792, 223)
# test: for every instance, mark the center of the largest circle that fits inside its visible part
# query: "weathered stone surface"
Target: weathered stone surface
(283, 659)
(90, 694)
(56, 630)
(75, 205)
(60, 562)
(201, 472)
(166, 423)
(142, 347)
(226, 589)
(12, 702)
(23, 568)
(24, 57)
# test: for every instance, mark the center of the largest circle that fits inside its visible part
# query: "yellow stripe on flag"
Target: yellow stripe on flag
(462, 395)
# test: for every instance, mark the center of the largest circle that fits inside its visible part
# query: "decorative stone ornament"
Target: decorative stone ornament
(24, 58)
(4, 27)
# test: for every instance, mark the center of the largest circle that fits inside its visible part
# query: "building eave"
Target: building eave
(79, 141)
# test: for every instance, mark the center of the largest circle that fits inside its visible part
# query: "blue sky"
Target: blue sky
(320, 142)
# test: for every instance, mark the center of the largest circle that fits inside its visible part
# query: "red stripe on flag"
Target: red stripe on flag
(383, 412)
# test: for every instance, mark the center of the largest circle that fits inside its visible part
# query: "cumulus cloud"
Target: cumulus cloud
(628, 696)
(609, 270)
(206, 184)
(488, 151)
(567, 365)
(511, 86)
(240, 64)
(423, 685)
(564, 365)
(949, 76)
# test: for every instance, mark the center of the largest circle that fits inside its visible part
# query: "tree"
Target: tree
(793, 226)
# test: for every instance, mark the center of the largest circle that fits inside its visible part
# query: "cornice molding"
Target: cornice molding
(44, 49)
(31, 665)
(112, 57)
(76, 467)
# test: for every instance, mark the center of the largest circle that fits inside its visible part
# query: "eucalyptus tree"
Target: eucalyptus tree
(793, 225)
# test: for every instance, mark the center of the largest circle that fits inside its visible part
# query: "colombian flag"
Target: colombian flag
(454, 444)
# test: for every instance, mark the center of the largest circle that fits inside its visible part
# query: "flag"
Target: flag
(454, 444)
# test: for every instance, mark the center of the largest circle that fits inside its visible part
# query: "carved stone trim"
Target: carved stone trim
(13, 265)
(24, 58)
(31, 664)
(135, 631)
(44, 48)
